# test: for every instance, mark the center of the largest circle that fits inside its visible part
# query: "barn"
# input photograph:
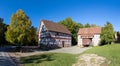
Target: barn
(89, 36)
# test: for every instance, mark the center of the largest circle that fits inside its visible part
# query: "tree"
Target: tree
(75, 31)
(18, 32)
(34, 36)
(107, 35)
(73, 27)
(94, 25)
(87, 25)
(3, 28)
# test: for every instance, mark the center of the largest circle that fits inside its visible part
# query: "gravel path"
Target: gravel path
(71, 50)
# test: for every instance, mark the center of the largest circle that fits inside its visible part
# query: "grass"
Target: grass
(111, 52)
(49, 59)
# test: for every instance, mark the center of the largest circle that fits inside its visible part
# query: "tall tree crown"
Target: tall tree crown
(19, 28)
(73, 27)
(107, 35)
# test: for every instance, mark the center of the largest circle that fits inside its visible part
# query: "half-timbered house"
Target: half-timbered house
(53, 35)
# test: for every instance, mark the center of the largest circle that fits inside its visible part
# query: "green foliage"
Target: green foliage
(87, 25)
(49, 59)
(34, 36)
(107, 35)
(3, 28)
(111, 52)
(94, 25)
(73, 27)
(18, 32)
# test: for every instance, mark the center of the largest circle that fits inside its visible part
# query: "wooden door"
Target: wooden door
(63, 44)
(86, 41)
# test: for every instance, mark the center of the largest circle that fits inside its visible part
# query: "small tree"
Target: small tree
(73, 27)
(3, 28)
(87, 25)
(18, 32)
(34, 36)
(94, 25)
(107, 35)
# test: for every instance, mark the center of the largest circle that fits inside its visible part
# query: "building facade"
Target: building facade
(89, 36)
(53, 35)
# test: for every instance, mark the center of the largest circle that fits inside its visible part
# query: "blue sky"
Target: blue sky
(83, 11)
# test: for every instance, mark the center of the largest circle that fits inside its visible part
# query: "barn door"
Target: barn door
(86, 41)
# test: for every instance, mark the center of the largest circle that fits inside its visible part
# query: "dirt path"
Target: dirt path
(91, 60)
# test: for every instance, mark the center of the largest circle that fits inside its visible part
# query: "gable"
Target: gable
(89, 32)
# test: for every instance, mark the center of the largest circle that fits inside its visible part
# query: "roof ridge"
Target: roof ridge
(92, 30)
(52, 22)
(52, 26)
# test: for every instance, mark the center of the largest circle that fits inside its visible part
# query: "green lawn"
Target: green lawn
(49, 59)
(111, 52)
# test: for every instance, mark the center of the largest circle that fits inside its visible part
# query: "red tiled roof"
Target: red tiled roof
(89, 32)
(51, 26)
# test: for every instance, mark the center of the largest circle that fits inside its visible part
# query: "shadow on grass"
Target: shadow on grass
(37, 58)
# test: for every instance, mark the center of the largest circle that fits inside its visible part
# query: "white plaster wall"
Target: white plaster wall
(79, 41)
(96, 40)
(40, 28)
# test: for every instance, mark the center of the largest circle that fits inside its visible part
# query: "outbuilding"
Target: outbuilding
(89, 36)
